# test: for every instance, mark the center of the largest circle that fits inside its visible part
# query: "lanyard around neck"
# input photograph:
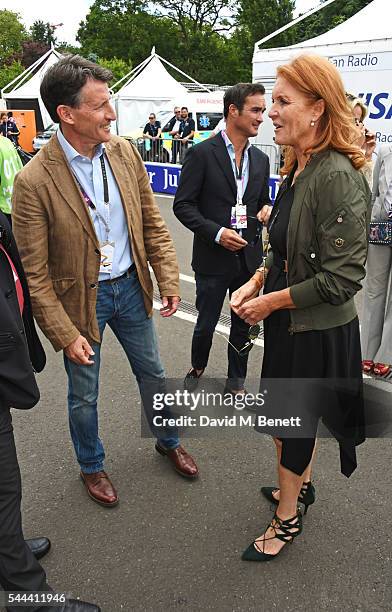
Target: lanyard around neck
(238, 171)
(105, 220)
(104, 180)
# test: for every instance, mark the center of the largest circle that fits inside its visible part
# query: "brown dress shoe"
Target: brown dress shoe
(182, 461)
(99, 488)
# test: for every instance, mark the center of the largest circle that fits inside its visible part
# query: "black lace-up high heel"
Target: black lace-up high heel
(285, 531)
(307, 495)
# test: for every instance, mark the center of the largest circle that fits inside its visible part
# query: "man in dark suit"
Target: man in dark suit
(20, 352)
(222, 193)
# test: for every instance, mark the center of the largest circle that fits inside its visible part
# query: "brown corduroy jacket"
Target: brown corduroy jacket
(59, 247)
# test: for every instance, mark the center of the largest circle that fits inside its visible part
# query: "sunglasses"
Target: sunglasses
(259, 231)
(253, 333)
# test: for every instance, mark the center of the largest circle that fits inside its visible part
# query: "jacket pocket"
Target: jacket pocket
(7, 341)
(62, 285)
(336, 219)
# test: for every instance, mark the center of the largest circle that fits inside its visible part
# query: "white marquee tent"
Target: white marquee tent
(360, 47)
(148, 88)
(23, 92)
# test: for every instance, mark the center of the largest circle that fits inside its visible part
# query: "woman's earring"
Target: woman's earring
(312, 123)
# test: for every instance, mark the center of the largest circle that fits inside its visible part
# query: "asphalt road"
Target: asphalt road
(175, 545)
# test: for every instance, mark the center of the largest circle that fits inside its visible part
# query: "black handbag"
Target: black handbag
(381, 233)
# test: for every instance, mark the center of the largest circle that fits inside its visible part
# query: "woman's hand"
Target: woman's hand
(254, 310)
(264, 214)
(244, 293)
(370, 144)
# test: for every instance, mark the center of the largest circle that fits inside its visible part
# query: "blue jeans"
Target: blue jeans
(120, 305)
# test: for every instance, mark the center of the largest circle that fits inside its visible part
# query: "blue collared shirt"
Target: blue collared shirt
(245, 170)
(88, 172)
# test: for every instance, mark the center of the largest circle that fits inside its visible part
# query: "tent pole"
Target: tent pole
(131, 74)
(183, 73)
(288, 25)
(27, 72)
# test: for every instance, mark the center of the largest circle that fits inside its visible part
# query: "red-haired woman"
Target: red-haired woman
(318, 240)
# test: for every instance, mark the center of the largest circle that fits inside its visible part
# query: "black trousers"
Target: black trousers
(19, 569)
(210, 295)
(176, 149)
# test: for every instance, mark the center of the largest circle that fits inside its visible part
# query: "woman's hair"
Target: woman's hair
(353, 102)
(317, 78)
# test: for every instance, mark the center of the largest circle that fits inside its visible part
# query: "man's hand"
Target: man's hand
(244, 293)
(79, 351)
(264, 214)
(254, 310)
(169, 305)
(232, 241)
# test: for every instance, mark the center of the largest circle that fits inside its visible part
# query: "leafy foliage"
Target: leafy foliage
(326, 19)
(117, 66)
(43, 32)
(12, 34)
(8, 72)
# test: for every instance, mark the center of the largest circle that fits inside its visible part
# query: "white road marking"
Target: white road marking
(187, 279)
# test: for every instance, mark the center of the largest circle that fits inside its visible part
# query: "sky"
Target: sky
(75, 11)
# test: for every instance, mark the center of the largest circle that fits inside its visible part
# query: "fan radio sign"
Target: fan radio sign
(369, 76)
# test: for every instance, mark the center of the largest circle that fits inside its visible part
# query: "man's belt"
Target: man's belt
(126, 274)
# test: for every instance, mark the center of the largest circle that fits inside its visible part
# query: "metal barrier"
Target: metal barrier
(165, 150)
(273, 152)
(168, 150)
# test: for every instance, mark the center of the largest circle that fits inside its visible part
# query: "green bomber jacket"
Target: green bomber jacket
(326, 242)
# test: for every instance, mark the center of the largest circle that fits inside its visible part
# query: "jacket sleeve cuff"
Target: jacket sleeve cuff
(305, 294)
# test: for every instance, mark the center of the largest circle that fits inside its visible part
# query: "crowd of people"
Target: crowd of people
(87, 194)
(179, 131)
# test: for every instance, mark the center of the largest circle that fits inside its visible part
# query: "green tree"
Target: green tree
(43, 32)
(123, 29)
(8, 72)
(12, 34)
(256, 19)
(325, 19)
(117, 66)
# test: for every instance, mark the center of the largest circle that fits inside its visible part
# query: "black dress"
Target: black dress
(318, 354)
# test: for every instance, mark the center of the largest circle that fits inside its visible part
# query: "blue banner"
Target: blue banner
(164, 178)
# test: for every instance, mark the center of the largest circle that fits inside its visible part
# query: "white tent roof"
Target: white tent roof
(29, 87)
(372, 23)
(153, 82)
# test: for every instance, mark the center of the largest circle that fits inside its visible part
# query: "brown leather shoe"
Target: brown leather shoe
(99, 488)
(182, 461)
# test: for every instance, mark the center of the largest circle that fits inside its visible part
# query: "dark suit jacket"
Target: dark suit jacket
(20, 347)
(205, 195)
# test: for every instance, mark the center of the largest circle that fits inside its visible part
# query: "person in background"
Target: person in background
(365, 140)
(10, 164)
(318, 240)
(20, 351)
(185, 133)
(172, 129)
(13, 131)
(3, 124)
(376, 330)
(152, 132)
